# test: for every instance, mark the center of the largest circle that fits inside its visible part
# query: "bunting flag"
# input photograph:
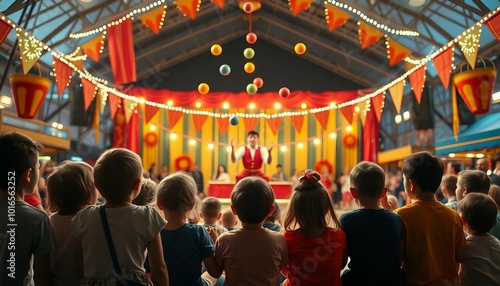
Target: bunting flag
(94, 47)
(395, 51)
(4, 30)
(173, 117)
(493, 24)
(199, 120)
(417, 81)
(368, 35)
(410, 65)
(114, 102)
(443, 64)
(377, 105)
(454, 109)
(95, 118)
(121, 52)
(129, 107)
(188, 7)
(297, 6)
(89, 92)
(223, 123)
(274, 123)
(30, 48)
(154, 18)
(469, 44)
(149, 112)
(335, 17)
(362, 110)
(62, 75)
(77, 60)
(219, 3)
(396, 92)
(250, 123)
(297, 122)
(119, 125)
(348, 113)
(103, 96)
(322, 118)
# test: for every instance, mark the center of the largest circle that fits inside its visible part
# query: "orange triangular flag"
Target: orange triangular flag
(94, 47)
(199, 120)
(322, 118)
(396, 92)
(274, 123)
(62, 75)
(395, 51)
(410, 65)
(149, 112)
(5, 29)
(188, 7)
(443, 65)
(417, 81)
(297, 6)
(297, 122)
(250, 123)
(368, 35)
(30, 48)
(454, 109)
(154, 18)
(129, 109)
(114, 102)
(95, 118)
(348, 113)
(377, 105)
(223, 123)
(77, 60)
(219, 3)
(173, 117)
(89, 92)
(493, 24)
(469, 44)
(335, 17)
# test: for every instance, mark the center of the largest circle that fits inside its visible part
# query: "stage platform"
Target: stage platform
(222, 190)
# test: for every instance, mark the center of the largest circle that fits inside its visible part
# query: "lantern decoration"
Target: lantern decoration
(29, 92)
(151, 138)
(475, 86)
(349, 140)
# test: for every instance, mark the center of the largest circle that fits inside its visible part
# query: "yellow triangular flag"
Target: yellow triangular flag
(363, 106)
(95, 117)
(30, 48)
(469, 44)
(129, 107)
(396, 92)
(103, 96)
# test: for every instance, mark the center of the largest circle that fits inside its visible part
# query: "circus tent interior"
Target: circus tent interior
(332, 82)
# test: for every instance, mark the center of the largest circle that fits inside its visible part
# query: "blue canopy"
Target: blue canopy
(483, 134)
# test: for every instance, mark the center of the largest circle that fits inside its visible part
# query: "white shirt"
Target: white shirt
(480, 261)
(264, 153)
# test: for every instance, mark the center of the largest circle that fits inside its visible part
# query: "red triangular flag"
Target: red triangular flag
(417, 80)
(199, 120)
(297, 122)
(114, 101)
(219, 3)
(493, 24)
(322, 118)
(173, 117)
(443, 65)
(250, 123)
(274, 123)
(298, 6)
(378, 105)
(348, 112)
(223, 123)
(150, 112)
(62, 75)
(89, 91)
(4, 30)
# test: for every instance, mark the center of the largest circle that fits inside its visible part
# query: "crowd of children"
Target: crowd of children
(147, 234)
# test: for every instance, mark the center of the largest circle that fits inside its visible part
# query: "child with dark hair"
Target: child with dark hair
(448, 187)
(29, 228)
(374, 235)
(251, 255)
(472, 181)
(308, 232)
(480, 260)
(494, 193)
(70, 188)
(434, 235)
(147, 193)
(252, 155)
(270, 222)
(210, 214)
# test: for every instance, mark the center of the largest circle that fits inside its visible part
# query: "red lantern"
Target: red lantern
(28, 91)
(475, 86)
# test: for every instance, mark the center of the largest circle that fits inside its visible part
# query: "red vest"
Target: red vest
(250, 163)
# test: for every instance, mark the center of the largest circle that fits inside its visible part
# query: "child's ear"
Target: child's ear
(384, 192)
(465, 192)
(354, 193)
(218, 216)
(235, 222)
(271, 210)
(233, 210)
(137, 185)
(26, 175)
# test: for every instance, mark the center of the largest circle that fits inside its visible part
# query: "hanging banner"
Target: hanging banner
(95, 118)
(173, 117)
(298, 6)
(223, 123)
(368, 35)
(322, 118)
(154, 18)
(493, 24)
(119, 126)
(417, 81)
(4, 30)
(188, 7)
(30, 48)
(250, 123)
(274, 123)
(370, 138)
(454, 109)
(149, 112)
(396, 92)
(395, 51)
(114, 102)
(469, 44)
(443, 65)
(377, 105)
(199, 120)
(121, 52)
(62, 75)
(89, 92)
(94, 47)
(335, 17)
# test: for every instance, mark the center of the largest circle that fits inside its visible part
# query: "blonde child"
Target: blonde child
(147, 193)
(228, 219)
(70, 188)
(186, 245)
(134, 229)
(211, 213)
(251, 255)
(480, 259)
(471, 181)
(308, 232)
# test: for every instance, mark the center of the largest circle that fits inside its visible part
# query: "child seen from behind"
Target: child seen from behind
(211, 213)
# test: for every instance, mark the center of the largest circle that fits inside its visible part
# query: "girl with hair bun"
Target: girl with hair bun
(316, 243)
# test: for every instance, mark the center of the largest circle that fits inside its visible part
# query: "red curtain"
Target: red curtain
(370, 138)
(121, 52)
(132, 128)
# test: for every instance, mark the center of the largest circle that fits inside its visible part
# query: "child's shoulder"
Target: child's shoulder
(25, 210)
